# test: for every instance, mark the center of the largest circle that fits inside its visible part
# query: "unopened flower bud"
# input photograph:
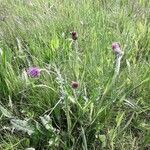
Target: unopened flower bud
(74, 35)
(74, 85)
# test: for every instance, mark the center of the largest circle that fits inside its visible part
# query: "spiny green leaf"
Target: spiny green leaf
(5, 112)
(22, 125)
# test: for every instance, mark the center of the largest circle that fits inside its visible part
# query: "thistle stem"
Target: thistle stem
(117, 63)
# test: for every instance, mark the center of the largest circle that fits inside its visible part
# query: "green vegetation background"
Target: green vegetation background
(97, 115)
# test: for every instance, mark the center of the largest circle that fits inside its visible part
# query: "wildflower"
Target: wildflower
(118, 52)
(33, 72)
(74, 84)
(116, 48)
(74, 35)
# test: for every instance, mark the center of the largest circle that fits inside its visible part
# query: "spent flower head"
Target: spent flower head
(34, 72)
(74, 84)
(74, 35)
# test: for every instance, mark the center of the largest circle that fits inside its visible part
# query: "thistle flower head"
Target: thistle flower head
(74, 35)
(116, 48)
(34, 72)
(74, 84)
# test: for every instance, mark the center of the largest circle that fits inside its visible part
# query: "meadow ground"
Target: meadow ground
(42, 108)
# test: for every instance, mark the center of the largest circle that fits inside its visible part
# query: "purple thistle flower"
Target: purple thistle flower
(116, 48)
(74, 35)
(33, 72)
(74, 84)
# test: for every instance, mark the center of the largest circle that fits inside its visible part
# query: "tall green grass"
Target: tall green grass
(46, 113)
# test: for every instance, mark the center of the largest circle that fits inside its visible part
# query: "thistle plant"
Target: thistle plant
(76, 54)
(118, 56)
(76, 98)
(74, 37)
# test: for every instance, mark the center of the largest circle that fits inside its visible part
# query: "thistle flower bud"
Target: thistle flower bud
(74, 35)
(74, 84)
(116, 48)
(34, 72)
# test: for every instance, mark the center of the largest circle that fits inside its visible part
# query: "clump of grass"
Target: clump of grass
(62, 91)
